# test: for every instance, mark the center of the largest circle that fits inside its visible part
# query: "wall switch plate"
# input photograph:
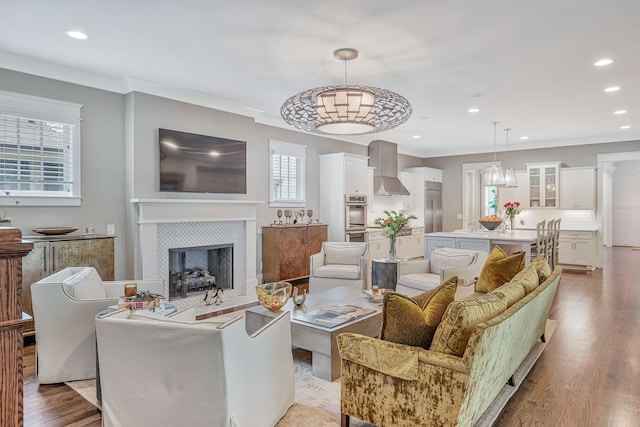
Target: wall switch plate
(111, 229)
(459, 216)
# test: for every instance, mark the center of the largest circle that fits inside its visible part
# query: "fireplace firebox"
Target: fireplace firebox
(194, 270)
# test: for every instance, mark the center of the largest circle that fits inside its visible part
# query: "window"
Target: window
(286, 180)
(39, 151)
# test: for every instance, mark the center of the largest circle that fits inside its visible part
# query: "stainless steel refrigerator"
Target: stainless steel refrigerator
(432, 206)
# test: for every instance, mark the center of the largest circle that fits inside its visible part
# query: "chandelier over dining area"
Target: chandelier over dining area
(346, 110)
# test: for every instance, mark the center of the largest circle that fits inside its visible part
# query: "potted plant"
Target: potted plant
(511, 209)
(391, 225)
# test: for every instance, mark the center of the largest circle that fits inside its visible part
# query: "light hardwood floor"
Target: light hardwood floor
(588, 375)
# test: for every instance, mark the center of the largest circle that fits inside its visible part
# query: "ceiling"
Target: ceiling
(525, 64)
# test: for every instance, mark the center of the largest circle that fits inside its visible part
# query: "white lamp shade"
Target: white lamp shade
(345, 111)
(494, 176)
(510, 179)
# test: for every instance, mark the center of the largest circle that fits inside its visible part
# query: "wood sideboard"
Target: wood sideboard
(286, 250)
(53, 253)
(12, 320)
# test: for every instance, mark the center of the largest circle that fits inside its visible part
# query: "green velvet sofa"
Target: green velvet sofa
(390, 384)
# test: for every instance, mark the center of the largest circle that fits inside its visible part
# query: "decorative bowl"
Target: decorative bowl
(490, 225)
(274, 295)
(54, 231)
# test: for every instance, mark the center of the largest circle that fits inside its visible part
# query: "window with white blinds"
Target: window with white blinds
(287, 171)
(35, 155)
(39, 149)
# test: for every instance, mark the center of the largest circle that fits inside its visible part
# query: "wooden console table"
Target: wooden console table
(53, 253)
(12, 320)
(286, 250)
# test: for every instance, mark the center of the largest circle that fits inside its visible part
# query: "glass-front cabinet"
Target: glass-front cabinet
(543, 184)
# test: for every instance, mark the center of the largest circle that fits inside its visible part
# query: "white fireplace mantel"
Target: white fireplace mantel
(150, 213)
(154, 211)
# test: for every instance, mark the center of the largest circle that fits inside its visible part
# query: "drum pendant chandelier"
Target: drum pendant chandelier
(346, 110)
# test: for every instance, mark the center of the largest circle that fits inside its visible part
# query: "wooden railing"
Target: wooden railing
(12, 319)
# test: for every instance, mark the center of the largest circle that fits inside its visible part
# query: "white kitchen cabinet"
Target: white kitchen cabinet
(543, 184)
(430, 243)
(411, 246)
(577, 249)
(473, 244)
(515, 194)
(432, 174)
(408, 202)
(340, 174)
(369, 189)
(355, 174)
(578, 188)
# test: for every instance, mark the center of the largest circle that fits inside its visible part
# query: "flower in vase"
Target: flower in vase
(511, 209)
(393, 223)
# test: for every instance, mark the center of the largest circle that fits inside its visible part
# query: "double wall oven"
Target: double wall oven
(355, 217)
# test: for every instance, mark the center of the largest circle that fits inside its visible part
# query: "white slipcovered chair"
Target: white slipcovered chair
(339, 264)
(65, 305)
(417, 276)
(176, 371)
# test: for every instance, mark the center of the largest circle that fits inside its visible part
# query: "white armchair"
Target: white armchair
(339, 264)
(417, 276)
(178, 371)
(65, 305)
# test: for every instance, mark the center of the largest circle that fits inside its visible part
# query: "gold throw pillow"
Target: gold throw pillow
(543, 268)
(405, 321)
(498, 269)
(462, 316)
(527, 278)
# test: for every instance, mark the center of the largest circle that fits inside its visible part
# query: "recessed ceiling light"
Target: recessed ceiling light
(473, 110)
(602, 62)
(416, 137)
(625, 127)
(524, 137)
(78, 35)
(620, 112)
(612, 89)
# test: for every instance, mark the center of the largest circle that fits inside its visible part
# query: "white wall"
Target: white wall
(580, 155)
(103, 169)
(626, 204)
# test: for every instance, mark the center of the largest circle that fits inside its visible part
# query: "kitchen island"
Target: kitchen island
(518, 240)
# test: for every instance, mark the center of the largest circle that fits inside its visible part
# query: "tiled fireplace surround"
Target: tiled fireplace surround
(174, 223)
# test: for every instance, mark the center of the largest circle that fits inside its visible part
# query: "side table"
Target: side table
(384, 273)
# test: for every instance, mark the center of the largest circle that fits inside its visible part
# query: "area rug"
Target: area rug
(317, 402)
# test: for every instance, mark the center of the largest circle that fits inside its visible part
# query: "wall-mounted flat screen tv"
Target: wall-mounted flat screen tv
(201, 164)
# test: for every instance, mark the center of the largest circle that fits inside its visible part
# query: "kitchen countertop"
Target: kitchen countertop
(588, 227)
(518, 235)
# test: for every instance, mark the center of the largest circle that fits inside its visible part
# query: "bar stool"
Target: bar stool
(556, 243)
(538, 248)
(549, 241)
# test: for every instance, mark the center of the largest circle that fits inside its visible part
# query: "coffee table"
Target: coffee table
(321, 340)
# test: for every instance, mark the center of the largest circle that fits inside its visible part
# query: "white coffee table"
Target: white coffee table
(318, 339)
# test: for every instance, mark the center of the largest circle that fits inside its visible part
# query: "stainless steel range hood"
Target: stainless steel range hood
(383, 155)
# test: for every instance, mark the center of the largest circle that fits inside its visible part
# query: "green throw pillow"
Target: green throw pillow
(498, 269)
(406, 321)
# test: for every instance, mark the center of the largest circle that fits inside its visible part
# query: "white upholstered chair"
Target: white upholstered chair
(417, 276)
(178, 371)
(339, 264)
(64, 308)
